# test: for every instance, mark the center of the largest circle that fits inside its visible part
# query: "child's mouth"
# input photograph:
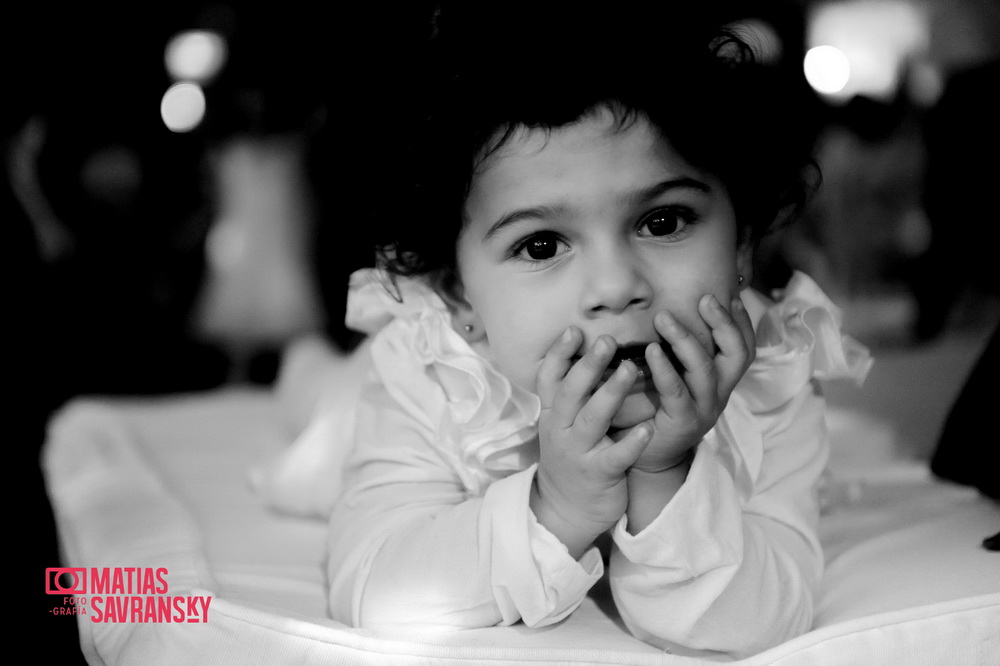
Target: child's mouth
(636, 353)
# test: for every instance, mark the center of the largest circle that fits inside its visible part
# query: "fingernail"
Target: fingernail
(602, 346)
(737, 303)
(643, 431)
(567, 335)
(714, 304)
(669, 323)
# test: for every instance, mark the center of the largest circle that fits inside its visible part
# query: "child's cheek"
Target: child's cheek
(518, 368)
(525, 377)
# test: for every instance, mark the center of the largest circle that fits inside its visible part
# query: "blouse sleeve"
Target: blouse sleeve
(412, 549)
(717, 572)
(732, 564)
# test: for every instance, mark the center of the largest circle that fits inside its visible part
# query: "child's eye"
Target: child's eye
(539, 247)
(665, 222)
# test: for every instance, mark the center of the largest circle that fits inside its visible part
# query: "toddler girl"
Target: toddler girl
(564, 345)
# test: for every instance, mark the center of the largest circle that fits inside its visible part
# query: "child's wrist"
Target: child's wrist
(576, 533)
(682, 462)
(650, 490)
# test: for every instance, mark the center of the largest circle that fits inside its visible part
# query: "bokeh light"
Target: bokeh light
(195, 55)
(183, 107)
(879, 38)
(827, 69)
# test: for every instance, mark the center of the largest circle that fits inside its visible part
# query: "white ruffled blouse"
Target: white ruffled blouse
(433, 529)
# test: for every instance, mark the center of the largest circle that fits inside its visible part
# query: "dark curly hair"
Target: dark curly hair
(491, 69)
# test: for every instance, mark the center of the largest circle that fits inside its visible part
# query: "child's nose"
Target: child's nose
(615, 280)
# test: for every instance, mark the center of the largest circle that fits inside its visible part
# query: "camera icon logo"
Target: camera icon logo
(66, 580)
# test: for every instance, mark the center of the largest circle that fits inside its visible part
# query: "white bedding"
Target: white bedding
(164, 483)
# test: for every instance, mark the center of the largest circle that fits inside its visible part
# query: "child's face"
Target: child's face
(597, 228)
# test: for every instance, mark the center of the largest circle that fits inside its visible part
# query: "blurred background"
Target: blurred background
(187, 188)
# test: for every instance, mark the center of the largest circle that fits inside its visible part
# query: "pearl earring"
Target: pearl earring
(468, 328)
(739, 279)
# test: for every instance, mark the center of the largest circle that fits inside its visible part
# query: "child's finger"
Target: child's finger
(675, 398)
(556, 364)
(594, 418)
(745, 325)
(700, 374)
(575, 388)
(620, 455)
(731, 361)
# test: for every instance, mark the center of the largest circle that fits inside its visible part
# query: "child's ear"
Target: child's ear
(464, 319)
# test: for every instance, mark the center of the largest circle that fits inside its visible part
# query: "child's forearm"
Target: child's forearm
(721, 566)
(428, 557)
(754, 592)
(649, 493)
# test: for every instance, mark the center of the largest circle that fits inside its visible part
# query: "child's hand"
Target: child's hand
(691, 404)
(581, 488)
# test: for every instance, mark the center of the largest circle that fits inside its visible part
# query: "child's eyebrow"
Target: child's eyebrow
(534, 212)
(653, 191)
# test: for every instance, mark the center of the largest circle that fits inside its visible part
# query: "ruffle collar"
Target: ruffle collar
(481, 421)
(798, 338)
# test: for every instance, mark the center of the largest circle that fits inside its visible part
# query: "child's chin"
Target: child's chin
(637, 408)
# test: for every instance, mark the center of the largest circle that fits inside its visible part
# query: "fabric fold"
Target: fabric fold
(556, 584)
(798, 339)
(486, 424)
